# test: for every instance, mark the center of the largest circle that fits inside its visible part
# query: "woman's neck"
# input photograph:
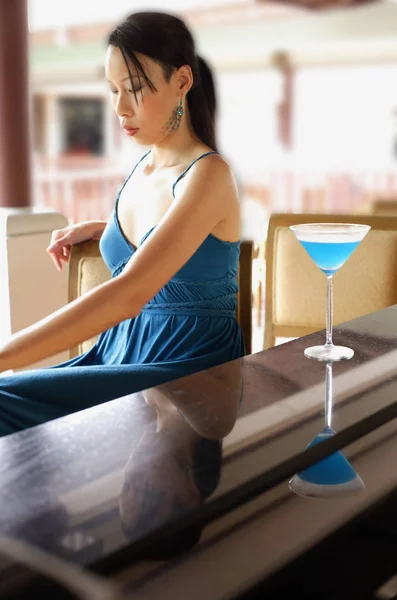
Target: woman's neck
(173, 150)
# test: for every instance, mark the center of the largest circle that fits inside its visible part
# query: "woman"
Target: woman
(172, 244)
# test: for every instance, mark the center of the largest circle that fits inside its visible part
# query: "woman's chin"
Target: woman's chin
(142, 142)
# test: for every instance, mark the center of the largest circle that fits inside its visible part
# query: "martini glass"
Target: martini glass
(333, 475)
(329, 245)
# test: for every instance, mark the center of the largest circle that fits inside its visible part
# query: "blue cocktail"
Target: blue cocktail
(333, 475)
(329, 256)
(329, 245)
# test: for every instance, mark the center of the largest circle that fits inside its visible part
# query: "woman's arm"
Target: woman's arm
(99, 229)
(63, 239)
(94, 312)
(192, 216)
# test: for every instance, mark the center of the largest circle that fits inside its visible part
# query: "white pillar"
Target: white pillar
(30, 286)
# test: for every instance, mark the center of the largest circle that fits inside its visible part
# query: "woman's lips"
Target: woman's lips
(130, 131)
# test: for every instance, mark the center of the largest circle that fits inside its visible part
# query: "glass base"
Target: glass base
(329, 353)
(314, 490)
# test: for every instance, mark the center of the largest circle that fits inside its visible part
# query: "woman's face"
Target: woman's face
(148, 113)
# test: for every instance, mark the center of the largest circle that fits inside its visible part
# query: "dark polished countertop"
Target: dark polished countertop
(88, 486)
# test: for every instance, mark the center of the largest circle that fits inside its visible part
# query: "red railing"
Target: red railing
(79, 195)
(90, 194)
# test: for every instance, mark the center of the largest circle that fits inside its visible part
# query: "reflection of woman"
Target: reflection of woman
(171, 471)
(209, 400)
(172, 244)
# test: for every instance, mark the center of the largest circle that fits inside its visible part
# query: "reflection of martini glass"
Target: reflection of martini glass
(329, 245)
(334, 475)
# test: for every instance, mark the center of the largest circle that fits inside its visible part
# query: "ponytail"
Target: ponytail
(202, 104)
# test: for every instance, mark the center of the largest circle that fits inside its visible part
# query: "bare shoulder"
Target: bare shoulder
(211, 178)
(222, 195)
(216, 168)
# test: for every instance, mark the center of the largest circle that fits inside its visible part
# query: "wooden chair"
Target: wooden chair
(296, 288)
(384, 207)
(259, 276)
(87, 270)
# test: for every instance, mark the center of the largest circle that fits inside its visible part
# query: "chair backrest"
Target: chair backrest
(384, 207)
(244, 296)
(87, 270)
(296, 288)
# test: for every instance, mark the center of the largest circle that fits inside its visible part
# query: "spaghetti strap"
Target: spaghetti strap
(189, 167)
(139, 162)
(116, 204)
(136, 166)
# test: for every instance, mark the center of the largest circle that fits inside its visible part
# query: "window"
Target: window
(83, 126)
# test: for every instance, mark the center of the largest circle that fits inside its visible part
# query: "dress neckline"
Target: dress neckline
(132, 246)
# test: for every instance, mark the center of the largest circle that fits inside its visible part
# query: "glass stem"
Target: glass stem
(329, 313)
(328, 394)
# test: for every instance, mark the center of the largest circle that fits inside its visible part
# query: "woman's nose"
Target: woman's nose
(124, 108)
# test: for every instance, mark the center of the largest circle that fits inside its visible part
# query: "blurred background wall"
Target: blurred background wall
(307, 104)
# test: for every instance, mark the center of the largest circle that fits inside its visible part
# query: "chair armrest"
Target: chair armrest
(87, 270)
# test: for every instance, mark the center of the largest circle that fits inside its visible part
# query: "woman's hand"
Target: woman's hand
(63, 239)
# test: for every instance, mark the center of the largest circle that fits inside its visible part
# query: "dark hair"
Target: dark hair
(166, 40)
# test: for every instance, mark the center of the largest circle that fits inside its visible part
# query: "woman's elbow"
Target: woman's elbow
(131, 297)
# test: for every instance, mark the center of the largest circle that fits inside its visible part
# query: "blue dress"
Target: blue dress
(188, 326)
